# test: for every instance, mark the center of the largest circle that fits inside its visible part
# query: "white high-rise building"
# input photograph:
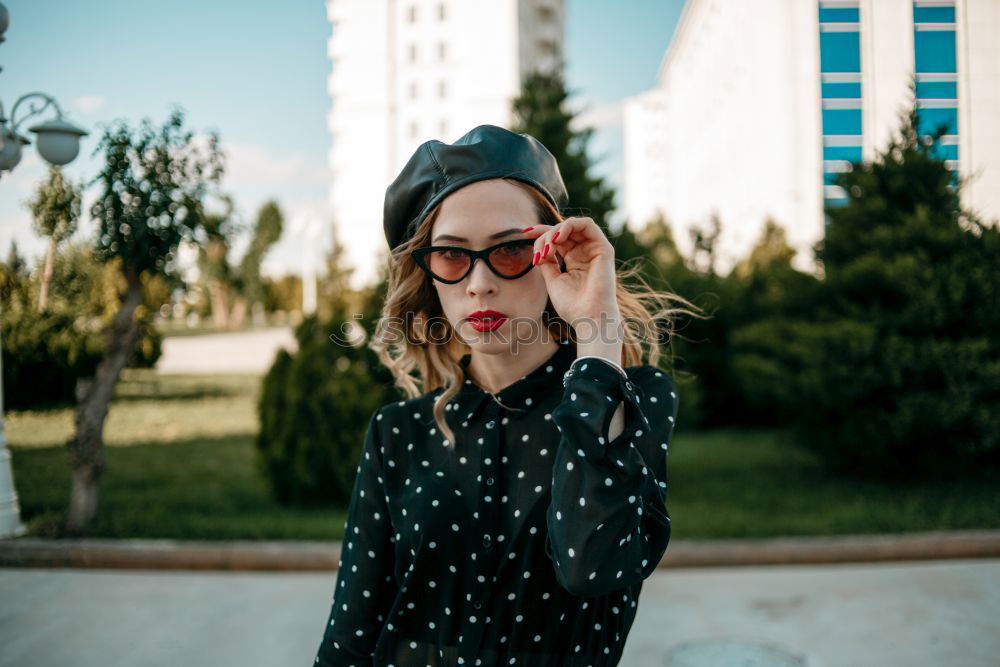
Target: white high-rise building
(760, 104)
(407, 71)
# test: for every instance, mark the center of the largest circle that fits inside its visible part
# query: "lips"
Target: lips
(486, 320)
(484, 314)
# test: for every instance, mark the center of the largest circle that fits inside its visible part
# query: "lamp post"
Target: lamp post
(58, 142)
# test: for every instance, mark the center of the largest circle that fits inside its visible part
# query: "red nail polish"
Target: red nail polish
(556, 235)
(527, 229)
(535, 260)
(546, 250)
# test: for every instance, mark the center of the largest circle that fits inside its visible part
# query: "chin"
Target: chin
(497, 339)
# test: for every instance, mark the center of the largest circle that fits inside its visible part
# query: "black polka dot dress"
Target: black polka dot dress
(527, 543)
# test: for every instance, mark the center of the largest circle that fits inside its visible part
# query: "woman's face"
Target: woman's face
(478, 216)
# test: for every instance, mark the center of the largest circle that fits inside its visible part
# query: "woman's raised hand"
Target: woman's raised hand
(587, 288)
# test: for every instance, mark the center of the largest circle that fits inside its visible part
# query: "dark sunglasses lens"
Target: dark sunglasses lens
(513, 259)
(447, 264)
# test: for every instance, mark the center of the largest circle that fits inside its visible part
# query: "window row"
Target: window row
(415, 129)
(442, 52)
(933, 12)
(414, 90)
(936, 67)
(412, 13)
(840, 84)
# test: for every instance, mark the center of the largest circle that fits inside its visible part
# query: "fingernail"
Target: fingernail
(535, 260)
(527, 229)
(556, 235)
(546, 250)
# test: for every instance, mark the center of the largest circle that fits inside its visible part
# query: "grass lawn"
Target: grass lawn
(181, 465)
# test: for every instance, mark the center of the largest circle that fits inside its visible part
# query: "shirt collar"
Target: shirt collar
(519, 396)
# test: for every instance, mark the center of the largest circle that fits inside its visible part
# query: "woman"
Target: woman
(510, 513)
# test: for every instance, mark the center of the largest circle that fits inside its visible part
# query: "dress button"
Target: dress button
(628, 385)
(489, 481)
(490, 424)
(487, 541)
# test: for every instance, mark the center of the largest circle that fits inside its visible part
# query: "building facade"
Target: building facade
(407, 71)
(759, 105)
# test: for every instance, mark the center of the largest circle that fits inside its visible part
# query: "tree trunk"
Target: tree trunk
(238, 314)
(50, 260)
(258, 314)
(219, 296)
(93, 398)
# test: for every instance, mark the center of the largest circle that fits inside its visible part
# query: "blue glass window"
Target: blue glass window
(838, 15)
(933, 14)
(929, 119)
(852, 153)
(937, 90)
(842, 121)
(835, 202)
(945, 152)
(830, 177)
(840, 52)
(934, 50)
(841, 90)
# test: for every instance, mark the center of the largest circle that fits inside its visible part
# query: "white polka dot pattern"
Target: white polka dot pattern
(526, 542)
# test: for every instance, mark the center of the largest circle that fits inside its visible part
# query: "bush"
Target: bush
(906, 379)
(887, 406)
(43, 355)
(314, 409)
(149, 347)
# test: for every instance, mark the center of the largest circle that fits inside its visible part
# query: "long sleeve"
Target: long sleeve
(608, 525)
(365, 586)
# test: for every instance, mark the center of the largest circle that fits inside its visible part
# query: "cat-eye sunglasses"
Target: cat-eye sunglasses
(451, 264)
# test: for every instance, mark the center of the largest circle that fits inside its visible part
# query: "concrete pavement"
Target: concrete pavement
(912, 613)
(249, 351)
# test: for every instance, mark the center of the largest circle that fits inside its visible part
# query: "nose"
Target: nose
(480, 279)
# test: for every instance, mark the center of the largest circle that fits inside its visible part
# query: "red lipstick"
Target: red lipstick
(486, 320)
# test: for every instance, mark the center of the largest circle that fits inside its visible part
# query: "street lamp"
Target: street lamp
(58, 143)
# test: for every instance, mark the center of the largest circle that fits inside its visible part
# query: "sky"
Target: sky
(256, 73)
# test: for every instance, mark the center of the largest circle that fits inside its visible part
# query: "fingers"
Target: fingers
(540, 232)
(564, 235)
(544, 244)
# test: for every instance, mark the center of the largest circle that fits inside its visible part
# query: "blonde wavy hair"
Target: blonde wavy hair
(412, 300)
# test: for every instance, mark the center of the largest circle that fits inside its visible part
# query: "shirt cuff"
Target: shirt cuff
(617, 367)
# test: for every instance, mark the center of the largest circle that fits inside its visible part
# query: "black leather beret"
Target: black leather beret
(437, 169)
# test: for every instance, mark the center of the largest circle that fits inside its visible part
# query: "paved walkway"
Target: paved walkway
(228, 352)
(913, 613)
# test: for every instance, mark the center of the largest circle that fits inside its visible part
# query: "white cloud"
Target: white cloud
(255, 165)
(255, 173)
(599, 117)
(89, 103)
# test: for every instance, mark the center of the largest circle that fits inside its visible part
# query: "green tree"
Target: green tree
(312, 414)
(219, 277)
(234, 289)
(540, 110)
(771, 250)
(266, 232)
(152, 188)
(658, 237)
(56, 210)
(696, 363)
(705, 243)
(284, 293)
(14, 277)
(902, 374)
(772, 298)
